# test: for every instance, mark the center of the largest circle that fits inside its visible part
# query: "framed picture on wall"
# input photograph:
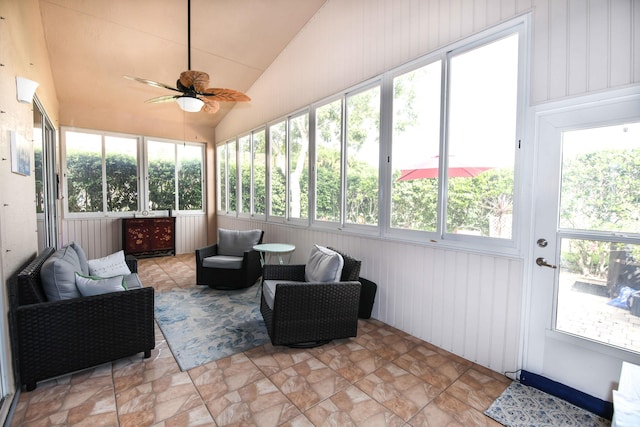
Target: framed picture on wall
(20, 154)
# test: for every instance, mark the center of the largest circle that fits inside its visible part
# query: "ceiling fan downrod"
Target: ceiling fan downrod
(188, 34)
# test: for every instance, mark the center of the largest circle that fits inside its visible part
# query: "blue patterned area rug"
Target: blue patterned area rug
(202, 324)
(523, 406)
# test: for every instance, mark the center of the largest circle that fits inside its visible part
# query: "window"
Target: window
(328, 138)
(277, 169)
(102, 174)
(175, 175)
(233, 176)
(90, 189)
(259, 173)
(161, 167)
(483, 106)
(363, 156)
(252, 167)
(245, 166)
(121, 173)
(416, 148)
(434, 143)
(221, 177)
(226, 176)
(84, 172)
(299, 167)
(190, 177)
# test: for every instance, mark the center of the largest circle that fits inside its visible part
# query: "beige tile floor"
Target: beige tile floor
(383, 377)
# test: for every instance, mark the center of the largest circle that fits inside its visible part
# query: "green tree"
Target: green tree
(84, 182)
(162, 185)
(600, 192)
(190, 185)
(122, 183)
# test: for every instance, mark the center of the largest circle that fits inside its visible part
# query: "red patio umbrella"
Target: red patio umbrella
(458, 167)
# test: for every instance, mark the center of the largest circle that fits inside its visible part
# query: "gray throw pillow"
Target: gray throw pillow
(82, 257)
(58, 275)
(237, 242)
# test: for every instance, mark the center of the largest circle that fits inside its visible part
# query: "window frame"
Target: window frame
(142, 174)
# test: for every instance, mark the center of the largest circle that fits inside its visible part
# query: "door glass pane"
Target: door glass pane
(299, 167)
(278, 169)
(84, 171)
(601, 179)
(121, 162)
(416, 143)
(328, 137)
(162, 175)
(363, 153)
(482, 138)
(599, 280)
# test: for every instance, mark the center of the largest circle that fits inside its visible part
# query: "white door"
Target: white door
(586, 242)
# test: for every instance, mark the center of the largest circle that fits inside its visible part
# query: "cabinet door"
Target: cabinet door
(136, 233)
(162, 238)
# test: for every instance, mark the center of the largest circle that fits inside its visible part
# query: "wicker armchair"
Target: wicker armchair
(307, 314)
(52, 338)
(231, 263)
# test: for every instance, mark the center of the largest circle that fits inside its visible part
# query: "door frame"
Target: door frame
(545, 351)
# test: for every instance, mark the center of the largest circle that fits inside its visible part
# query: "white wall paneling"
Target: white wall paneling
(102, 236)
(578, 46)
(468, 304)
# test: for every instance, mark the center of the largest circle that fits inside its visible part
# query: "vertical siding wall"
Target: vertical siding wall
(468, 304)
(101, 237)
(577, 47)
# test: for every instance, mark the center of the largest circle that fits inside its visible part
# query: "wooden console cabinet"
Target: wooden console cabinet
(149, 236)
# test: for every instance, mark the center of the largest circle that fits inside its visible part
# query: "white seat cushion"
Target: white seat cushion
(223, 261)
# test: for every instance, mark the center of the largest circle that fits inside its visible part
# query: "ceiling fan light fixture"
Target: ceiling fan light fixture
(189, 104)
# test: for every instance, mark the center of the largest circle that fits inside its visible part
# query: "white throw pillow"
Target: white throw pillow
(324, 265)
(89, 286)
(109, 266)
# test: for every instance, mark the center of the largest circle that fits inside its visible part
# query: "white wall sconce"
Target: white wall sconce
(25, 89)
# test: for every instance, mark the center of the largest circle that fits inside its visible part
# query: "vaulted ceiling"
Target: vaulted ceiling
(93, 43)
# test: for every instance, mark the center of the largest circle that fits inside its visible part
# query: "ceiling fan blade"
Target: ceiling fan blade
(151, 83)
(198, 79)
(225, 95)
(210, 106)
(164, 98)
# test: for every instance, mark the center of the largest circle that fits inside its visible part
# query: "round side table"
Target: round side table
(275, 249)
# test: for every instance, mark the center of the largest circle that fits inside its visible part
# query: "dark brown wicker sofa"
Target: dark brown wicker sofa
(308, 314)
(52, 338)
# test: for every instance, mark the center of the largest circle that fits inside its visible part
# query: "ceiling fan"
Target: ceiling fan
(192, 85)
